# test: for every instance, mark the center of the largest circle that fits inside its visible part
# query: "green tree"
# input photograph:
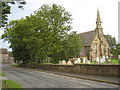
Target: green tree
(39, 35)
(54, 23)
(72, 45)
(5, 9)
(71, 48)
(111, 40)
(15, 34)
(116, 51)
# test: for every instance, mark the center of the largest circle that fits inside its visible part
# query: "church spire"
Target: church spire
(98, 20)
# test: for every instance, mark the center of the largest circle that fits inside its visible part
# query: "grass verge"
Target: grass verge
(12, 84)
(4, 85)
(1, 73)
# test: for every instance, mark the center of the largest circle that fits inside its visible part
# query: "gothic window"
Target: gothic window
(104, 51)
(95, 50)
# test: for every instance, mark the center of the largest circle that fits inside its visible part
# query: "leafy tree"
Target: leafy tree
(39, 35)
(114, 47)
(72, 45)
(14, 34)
(111, 40)
(5, 9)
(54, 25)
(116, 51)
(71, 48)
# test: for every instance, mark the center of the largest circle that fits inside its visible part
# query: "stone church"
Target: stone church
(95, 45)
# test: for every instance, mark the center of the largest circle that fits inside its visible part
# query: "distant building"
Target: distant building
(11, 59)
(94, 43)
(5, 56)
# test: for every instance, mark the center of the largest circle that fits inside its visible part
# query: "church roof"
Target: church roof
(3, 51)
(87, 37)
(83, 53)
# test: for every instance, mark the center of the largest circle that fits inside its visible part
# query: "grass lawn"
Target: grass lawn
(92, 62)
(105, 62)
(15, 64)
(114, 61)
(1, 73)
(12, 84)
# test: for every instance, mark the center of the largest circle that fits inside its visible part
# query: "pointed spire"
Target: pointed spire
(98, 17)
(98, 20)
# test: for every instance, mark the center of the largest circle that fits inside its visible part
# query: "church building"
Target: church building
(95, 45)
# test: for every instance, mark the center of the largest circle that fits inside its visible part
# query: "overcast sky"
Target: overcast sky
(84, 13)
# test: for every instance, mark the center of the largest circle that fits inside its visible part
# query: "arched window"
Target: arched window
(95, 50)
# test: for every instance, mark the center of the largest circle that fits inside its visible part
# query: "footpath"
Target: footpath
(98, 78)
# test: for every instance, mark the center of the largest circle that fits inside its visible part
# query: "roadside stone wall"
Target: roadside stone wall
(95, 69)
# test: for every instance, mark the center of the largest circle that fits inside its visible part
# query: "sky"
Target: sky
(84, 14)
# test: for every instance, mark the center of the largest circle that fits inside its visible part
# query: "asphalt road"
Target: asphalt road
(28, 78)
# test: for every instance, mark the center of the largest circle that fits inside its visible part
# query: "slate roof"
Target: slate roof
(83, 53)
(3, 51)
(87, 37)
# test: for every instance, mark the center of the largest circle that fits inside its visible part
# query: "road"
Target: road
(28, 78)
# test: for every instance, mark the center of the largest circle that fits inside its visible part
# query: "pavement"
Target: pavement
(3, 78)
(98, 78)
(37, 78)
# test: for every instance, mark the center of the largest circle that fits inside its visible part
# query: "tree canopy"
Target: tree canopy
(71, 48)
(5, 9)
(111, 40)
(116, 51)
(43, 35)
(114, 46)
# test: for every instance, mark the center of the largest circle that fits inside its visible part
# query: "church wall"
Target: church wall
(95, 47)
(104, 44)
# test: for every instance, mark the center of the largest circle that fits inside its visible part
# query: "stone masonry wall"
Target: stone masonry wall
(109, 70)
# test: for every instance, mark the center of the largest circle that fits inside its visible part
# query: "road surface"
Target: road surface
(29, 78)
